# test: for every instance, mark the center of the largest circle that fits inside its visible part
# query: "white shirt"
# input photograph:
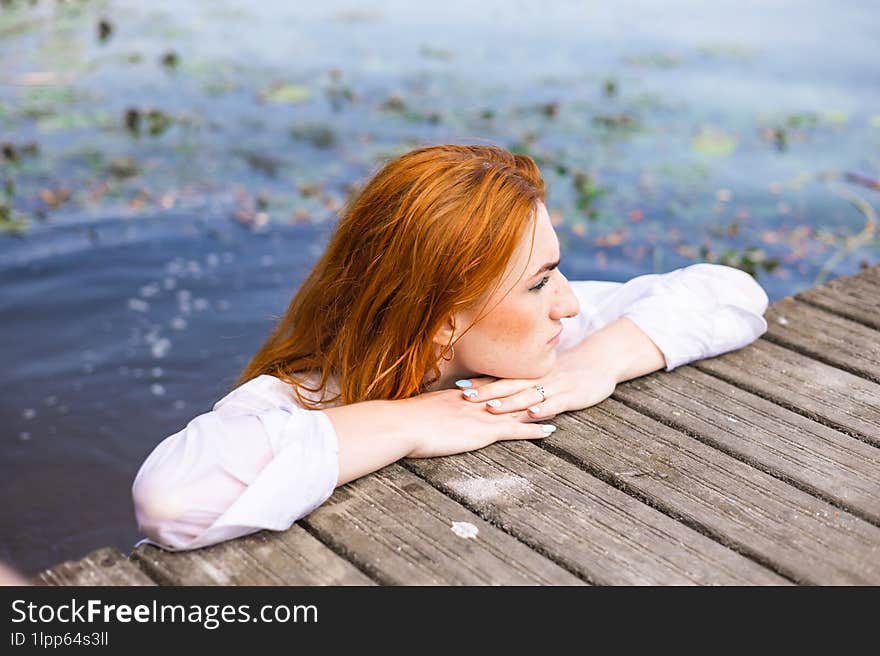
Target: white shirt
(259, 460)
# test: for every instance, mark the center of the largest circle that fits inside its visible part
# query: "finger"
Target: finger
(470, 386)
(508, 410)
(528, 432)
(524, 400)
(497, 388)
(525, 415)
(544, 410)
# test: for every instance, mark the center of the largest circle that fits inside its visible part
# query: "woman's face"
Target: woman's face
(515, 338)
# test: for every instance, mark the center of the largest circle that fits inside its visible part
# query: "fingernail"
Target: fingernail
(470, 393)
(494, 403)
(464, 382)
(535, 409)
(548, 428)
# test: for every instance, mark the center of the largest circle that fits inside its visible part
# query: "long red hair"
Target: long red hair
(429, 235)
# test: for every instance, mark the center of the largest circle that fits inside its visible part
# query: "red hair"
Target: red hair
(429, 235)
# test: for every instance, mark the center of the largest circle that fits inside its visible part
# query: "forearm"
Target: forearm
(622, 349)
(369, 436)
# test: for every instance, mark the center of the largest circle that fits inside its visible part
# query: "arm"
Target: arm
(626, 330)
(370, 437)
(621, 348)
(226, 475)
(253, 465)
(691, 313)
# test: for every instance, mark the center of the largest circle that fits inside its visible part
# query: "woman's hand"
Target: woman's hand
(564, 390)
(583, 375)
(571, 385)
(444, 424)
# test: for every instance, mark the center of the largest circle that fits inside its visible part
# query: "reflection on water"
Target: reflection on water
(170, 171)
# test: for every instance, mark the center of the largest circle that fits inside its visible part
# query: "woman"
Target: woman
(439, 296)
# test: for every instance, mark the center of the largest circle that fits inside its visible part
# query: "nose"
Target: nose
(565, 303)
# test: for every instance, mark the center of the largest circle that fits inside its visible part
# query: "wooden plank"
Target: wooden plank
(854, 297)
(798, 535)
(594, 530)
(825, 336)
(816, 390)
(291, 557)
(866, 276)
(870, 274)
(818, 459)
(402, 531)
(105, 566)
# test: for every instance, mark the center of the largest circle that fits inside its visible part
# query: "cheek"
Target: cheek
(514, 326)
(522, 327)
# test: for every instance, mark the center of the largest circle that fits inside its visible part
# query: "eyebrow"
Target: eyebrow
(546, 267)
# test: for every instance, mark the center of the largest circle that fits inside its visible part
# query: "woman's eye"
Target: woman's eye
(543, 282)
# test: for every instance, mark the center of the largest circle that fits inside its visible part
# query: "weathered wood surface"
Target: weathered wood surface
(854, 297)
(809, 455)
(401, 530)
(761, 466)
(826, 337)
(291, 557)
(819, 391)
(105, 566)
(602, 534)
(800, 536)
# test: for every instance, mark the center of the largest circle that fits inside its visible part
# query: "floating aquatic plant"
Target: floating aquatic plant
(105, 30)
(261, 162)
(609, 86)
(169, 59)
(11, 222)
(588, 192)
(654, 60)
(749, 260)
(12, 153)
(123, 167)
(621, 121)
(713, 141)
(155, 121)
(319, 135)
(285, 92)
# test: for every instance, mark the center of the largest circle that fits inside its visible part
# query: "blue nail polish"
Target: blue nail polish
(471, 393)
(463, 383)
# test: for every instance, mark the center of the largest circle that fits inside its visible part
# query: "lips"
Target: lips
(555, 336)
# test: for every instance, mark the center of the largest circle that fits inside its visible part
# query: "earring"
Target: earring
(452, 348)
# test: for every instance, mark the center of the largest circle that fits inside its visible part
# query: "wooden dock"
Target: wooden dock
(759, 467)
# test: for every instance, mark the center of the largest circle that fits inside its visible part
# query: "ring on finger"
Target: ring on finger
(540, 389)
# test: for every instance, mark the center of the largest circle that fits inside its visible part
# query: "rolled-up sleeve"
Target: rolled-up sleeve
(227, 474)
(691, 313)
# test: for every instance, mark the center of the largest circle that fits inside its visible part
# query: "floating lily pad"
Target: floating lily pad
(432, 52)
(73, 120)
(617, 121)
(12, 222)
(654, 59)
(284, 92)
(805, 120)
(123, 167)
(712, 141)
(835, 117)
(319, 135)
(728, 51)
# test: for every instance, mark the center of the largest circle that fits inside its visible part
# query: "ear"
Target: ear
(445, 334)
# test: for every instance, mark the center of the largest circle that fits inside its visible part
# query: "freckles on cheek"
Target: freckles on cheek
(515, 327)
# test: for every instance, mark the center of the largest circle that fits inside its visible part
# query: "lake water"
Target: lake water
(170, 172)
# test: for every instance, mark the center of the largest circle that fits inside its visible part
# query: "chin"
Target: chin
(540, 368)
